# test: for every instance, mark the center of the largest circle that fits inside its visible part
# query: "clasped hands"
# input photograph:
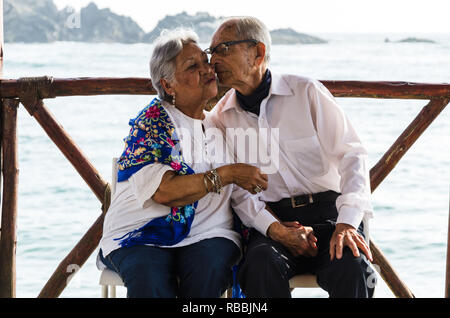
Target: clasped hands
(300, 240)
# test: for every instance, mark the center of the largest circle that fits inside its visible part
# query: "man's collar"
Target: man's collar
(279, 86)
(232, 102)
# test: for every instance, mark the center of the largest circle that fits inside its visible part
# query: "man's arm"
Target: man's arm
(251, 210)
(340, 142)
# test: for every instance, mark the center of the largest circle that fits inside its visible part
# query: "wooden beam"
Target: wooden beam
(143, 86)
(389, 275)
(384, 166)
(77, 256)
(10, 197)
(68, 147)
(396, 90)
(87, 87)
(406, 140)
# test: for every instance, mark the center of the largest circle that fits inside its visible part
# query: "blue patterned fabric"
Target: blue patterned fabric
(152, 139)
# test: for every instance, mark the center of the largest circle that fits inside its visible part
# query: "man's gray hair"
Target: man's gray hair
(162, 63)
(251, 28)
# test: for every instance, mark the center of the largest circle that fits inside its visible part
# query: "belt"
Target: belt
(306, 199)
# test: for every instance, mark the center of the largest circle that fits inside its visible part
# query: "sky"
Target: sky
(313, 16)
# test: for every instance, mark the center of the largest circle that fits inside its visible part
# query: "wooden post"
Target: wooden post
(1, 132)
(1, 103)
(447, 271)
(78, 256)
(1, 39)
(9, 204)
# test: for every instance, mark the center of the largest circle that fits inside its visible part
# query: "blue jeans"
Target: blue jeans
(198, 270)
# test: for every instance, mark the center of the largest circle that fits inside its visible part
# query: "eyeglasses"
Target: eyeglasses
(222, 48)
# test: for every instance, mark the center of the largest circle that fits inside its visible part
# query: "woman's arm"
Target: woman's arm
(175, 190)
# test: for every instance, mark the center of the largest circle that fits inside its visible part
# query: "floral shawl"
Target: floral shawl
(152, 139)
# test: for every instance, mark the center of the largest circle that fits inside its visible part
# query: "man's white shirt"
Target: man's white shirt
(318, 148)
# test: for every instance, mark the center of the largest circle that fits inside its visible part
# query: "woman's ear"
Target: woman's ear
(166, 86)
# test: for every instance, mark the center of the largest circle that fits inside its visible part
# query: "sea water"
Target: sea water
(56, 207)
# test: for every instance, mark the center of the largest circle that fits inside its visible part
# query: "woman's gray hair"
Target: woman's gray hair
(251, 28)
(162, 63)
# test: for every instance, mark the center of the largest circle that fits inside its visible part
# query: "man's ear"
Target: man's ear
(260, 53)
(166, 86)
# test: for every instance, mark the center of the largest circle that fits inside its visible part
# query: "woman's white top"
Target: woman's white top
(132, 207)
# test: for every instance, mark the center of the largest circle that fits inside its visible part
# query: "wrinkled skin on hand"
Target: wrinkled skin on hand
(299, 239)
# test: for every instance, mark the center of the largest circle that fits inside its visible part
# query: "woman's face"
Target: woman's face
(195, 81)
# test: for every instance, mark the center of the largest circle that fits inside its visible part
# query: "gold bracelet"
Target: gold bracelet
(212, 180)
(216, 181)
(205, 177)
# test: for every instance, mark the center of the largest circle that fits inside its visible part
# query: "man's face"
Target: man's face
(233, 66)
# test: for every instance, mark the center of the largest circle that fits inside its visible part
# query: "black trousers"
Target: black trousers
(268, 265)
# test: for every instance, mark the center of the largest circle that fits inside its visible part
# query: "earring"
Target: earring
(173, 100)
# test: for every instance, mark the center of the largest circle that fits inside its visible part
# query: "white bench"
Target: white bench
(110, 279)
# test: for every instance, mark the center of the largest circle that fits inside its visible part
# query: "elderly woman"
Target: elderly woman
(169, 229)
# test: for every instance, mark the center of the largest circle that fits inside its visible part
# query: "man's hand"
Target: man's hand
(346, 235)
(299, 239)
(312, 240)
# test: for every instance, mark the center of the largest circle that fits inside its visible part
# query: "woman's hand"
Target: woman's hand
(298, 239)
(244, 175)
(312, 240)
(175, 190)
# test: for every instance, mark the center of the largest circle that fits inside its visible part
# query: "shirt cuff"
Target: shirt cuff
(350, 215)
(263, 220)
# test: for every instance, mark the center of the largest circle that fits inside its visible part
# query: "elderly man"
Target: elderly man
(322, 179)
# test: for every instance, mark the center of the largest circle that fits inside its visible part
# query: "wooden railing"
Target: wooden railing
(32, 91)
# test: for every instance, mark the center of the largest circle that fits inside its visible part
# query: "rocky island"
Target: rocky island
(416, 40)
(411, 40)
(202, 23)
(290, 36)
(40, 21)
